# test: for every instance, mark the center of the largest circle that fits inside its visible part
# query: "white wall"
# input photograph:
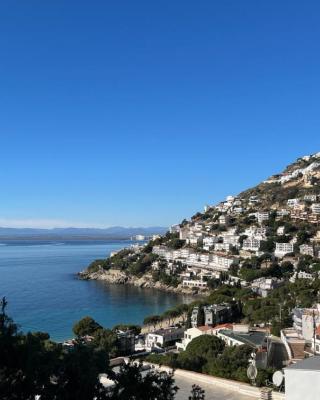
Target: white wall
(252, 392)
(302, 385)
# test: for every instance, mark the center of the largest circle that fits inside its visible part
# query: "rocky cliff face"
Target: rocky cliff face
(118, 277)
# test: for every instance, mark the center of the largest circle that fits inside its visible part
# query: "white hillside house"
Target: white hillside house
(251, 244)
(306, 250)
(315, 208)
(282, 249)
(262, 216)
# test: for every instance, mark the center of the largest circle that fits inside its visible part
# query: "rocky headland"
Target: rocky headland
(113, 276)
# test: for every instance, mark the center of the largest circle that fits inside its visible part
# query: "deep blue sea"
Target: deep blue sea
(39, 281)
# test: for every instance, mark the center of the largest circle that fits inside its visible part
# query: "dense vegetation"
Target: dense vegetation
(31, 365)
(208, 354)
(126, 260)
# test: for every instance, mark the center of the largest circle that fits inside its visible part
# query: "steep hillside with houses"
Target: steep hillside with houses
(261, 239)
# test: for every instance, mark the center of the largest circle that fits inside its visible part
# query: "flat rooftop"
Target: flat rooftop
(308, 364)
(254, 339)
(167, 331)
(212, 392)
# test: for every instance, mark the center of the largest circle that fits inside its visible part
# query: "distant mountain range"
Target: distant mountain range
(114, 232)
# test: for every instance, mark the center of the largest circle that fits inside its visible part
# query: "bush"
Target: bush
(86, 326)
(231, 364)
(205, 346)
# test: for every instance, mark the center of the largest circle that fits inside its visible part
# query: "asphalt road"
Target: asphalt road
(211, 392)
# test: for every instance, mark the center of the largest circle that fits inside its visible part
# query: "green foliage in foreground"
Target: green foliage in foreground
(131, 385)
(32, 365)
(104, 339)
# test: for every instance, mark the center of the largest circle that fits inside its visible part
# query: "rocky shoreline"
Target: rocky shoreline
(113, 276)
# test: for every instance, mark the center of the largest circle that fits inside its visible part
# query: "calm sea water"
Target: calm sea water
(39, 281)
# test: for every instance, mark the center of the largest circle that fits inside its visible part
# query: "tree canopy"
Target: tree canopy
(86, 326)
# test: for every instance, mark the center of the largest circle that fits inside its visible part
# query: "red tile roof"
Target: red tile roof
(223, 326)
(204, 328)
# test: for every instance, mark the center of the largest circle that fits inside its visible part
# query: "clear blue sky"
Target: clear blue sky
(140, 112)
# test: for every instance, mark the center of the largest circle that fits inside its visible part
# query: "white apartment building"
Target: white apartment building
(185, 252)
(280, 230)
(209, 242)
(222, 262)
(191, 334)
(176, 254)
(161, 251)
(222, 247)
(282, 249)
(306, 250)
(223, 219)
(304, 321)
(216, 261)
(163, 337)
(197, 227)
(204, 258)
(193, 240)
(164, 252)
(196, 283)
(263, 286)
(194, 257)
(315, 208)
(262, 216)
(233, 240)
(256, 232)
(293, 202)
(283, 212)
(251, 244)
(301, 275)
(310, 197)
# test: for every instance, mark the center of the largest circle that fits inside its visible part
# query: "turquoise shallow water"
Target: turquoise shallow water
(39, 281)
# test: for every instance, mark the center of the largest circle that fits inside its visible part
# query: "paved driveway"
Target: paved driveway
(212, 392)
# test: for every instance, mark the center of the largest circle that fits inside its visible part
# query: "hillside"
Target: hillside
(262, 238)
